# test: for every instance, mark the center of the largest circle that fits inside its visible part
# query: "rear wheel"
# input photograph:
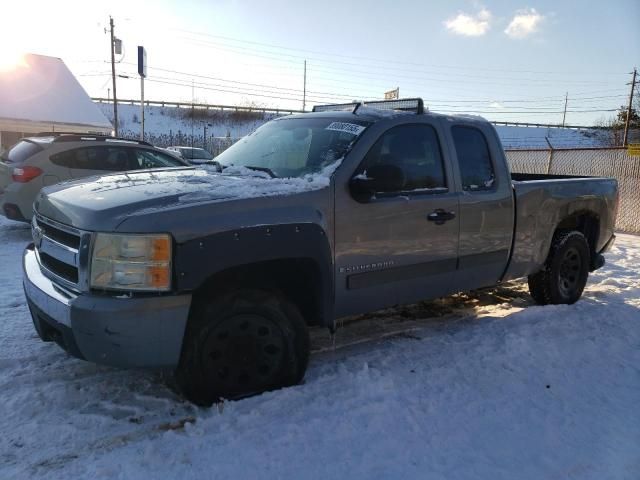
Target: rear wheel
(242, 343)
(565, 273)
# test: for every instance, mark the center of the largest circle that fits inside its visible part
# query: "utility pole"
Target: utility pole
(142, 71)
(564, 115)
(626, 123)
(304, 87)
(142, 108)
(113, 78)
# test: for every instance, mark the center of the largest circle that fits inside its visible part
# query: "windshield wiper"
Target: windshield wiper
(262, 169)
(267, 170)
(214, 163)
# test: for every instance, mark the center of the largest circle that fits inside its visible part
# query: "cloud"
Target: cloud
(496, 105)
(470, 25)
(524, 23)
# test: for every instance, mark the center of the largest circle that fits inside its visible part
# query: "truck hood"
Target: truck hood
(102, 203)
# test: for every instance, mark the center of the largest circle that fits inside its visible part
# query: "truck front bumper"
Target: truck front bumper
(124, 332)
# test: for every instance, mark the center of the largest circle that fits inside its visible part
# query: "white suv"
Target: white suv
(39, 161)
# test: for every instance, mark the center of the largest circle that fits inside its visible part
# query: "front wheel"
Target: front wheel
(565, 273)
(242, 343)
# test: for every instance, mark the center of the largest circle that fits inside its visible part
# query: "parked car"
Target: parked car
(39, 161)
(315, 216)
(192, 155)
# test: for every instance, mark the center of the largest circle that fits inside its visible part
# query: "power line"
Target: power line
(244, 83)
(245, 89)
(329, 96)
(359, 96)
(326, 66)
(278, 92)
(384, 61)
(227, 91)
(341, 81)
(289, 98)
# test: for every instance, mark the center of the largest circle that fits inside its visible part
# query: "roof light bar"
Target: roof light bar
(415, 105)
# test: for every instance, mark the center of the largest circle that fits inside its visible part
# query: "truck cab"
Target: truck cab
(444, 225)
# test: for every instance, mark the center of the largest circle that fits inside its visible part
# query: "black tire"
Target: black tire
(242, 343)
(565, 273)
(538, 287)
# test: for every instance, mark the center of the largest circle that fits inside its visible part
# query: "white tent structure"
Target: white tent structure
(40, 94)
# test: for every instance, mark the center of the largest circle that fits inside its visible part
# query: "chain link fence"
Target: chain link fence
(595, 162)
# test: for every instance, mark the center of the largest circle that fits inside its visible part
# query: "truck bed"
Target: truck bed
(542, 201)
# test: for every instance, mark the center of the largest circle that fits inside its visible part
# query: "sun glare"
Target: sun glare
(11, 60)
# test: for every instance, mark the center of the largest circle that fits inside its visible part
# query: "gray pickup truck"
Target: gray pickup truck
(216, 272)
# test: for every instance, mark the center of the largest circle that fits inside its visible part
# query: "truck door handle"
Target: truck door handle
(440, 216)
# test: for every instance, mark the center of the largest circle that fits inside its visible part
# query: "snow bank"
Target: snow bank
(173, 126)
(477, 386)
(536, 137)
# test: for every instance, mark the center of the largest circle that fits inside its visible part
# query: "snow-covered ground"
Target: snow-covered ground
(536, 137)
(478, 386)
(170, 125)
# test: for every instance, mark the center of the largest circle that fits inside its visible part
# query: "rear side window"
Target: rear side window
(111, 159)
(473, 158)
(20, 152)
(152, 159)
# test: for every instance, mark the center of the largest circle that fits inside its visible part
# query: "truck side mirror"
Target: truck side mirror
(377, 179)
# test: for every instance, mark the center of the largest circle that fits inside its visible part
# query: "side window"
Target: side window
(113, 159)
(64, 159)
(415, 150)
(151, 159)
(474, 159)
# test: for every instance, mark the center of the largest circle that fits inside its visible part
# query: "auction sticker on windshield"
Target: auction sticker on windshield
(351, 128)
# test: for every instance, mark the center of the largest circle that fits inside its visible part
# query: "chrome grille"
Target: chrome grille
(58, 250)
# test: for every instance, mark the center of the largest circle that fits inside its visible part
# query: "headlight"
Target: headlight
(131, 262)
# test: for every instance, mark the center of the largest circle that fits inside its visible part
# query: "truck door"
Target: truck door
(399, 245)
(486, 206)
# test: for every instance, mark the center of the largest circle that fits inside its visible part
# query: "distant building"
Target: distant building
(40, 94)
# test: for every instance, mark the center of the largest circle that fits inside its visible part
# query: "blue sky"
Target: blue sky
(507, 60)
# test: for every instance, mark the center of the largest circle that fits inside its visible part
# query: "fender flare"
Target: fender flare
(197, 260)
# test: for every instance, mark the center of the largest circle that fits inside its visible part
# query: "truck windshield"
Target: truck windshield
(293, 147)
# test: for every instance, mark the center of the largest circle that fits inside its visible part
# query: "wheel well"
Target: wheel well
(587, 223)
(298, 279)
